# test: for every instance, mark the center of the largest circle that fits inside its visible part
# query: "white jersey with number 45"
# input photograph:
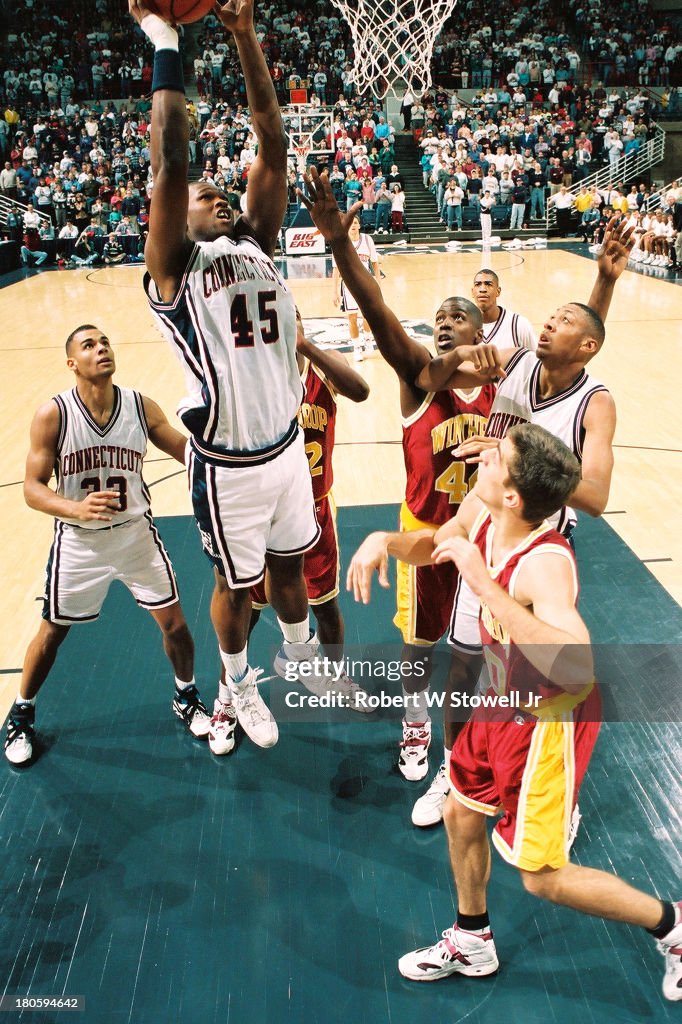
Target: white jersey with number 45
(232, 325)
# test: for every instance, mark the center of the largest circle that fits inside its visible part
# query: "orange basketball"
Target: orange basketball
(182, 12)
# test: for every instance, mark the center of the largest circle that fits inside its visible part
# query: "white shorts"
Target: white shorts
(244, 512)
(348, 303)
(83, 563)
(465, 633)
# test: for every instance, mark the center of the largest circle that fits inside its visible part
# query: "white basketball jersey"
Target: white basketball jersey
(366, 250)
(518, 400)
(510, 330)
(232, 325)
(94, 458)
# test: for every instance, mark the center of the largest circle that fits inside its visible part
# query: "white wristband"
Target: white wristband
(162, 35)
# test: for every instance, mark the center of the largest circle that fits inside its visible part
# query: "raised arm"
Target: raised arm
(613, 259)
(464, 366)
(167, 248)
(40, 464)
(340, 375)
(161, 433)
(599, 423)
(266, 191)
(406, 356)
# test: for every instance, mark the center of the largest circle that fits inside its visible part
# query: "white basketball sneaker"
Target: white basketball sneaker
(222, 728)
(573, 828)
(413, 761)
(291, 656)
(458, 952)
(428, 809)
(671, 948)
(252, 712)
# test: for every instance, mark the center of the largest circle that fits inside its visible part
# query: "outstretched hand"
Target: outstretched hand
(370, 556)
(616, 247)
(323, 208)
(236, 15)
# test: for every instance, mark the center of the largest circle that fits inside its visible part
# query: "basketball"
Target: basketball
(182, 12)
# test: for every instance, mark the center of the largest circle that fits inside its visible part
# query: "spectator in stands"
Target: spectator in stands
(383, 209)
(397, 209)
(563, 204)
(66, 241)
(588, 222)
(113, 253)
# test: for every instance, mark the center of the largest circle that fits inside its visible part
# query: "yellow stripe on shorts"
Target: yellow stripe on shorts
(545, 801)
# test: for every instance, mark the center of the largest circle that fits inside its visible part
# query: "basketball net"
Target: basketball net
(393, 41)
(301, 158)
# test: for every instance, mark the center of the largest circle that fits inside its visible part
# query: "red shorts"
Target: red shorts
(425, 594)
(321, 563)
(529, 770)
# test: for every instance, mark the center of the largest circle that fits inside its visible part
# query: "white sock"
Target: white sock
(24, 700)
(446, 756)
(416, 708)
(224, 693)
(181, 685)
(296, 632)
(235, 664)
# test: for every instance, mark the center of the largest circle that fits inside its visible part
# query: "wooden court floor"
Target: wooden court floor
(639, 364)
(166, 885)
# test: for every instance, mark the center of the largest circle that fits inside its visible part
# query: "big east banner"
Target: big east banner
(303, 240)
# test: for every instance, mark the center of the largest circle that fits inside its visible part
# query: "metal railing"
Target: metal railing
(627, 169)
(7, 204)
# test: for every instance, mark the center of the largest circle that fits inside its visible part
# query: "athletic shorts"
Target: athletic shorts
(465, 632)
(529, 770)
(424, 593)
(348, 303)
(83, 563)
(321, 563)
(245, 511)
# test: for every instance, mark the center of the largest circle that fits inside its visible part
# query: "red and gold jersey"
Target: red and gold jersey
(317, 416)
(510, 671)
(437, 482)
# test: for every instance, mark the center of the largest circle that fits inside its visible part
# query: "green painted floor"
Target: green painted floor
(166, 885)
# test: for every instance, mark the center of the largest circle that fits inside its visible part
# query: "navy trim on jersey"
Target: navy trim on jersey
(515, 330)
(173, 596)
(179, 323)
(115, 412)
(51, 611)
(157, 304)
(578, 429)
(211, 388)
(516, 360)
(61, 434)
(498, 324)
(536, 402)
(298, 551)
(207, 514)
(215, 456)
(139, 405)
(452, 641)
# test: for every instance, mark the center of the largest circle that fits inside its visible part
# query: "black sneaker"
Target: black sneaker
(20, 734)
(187, 705)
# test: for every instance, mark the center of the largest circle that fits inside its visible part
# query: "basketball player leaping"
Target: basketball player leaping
(325, 375)
(221, 303)
(96, 436)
